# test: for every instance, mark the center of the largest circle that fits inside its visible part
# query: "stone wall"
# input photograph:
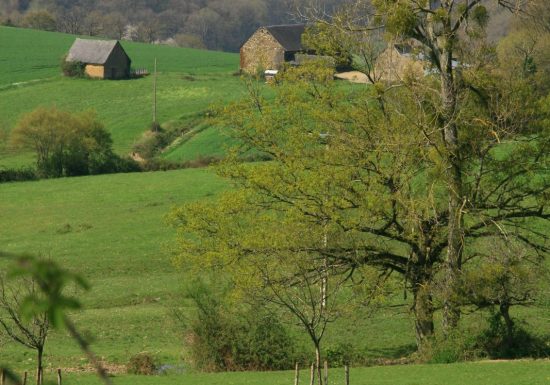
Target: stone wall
(261, 52)
(391, 66)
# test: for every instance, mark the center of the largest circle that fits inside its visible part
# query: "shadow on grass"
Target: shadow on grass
(395, 352)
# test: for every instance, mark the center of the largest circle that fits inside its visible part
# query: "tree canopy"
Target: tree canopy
(419, 178)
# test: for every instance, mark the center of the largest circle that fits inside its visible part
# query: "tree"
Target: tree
(50, 301)
(30, 332)
(506, 277)
(70, 21)
(411, 177)
(268, 266)
(39, 19)
(114, 25)
(437, 26)
(93, 23)
(447, 31)
(65, 144)
(189, 41)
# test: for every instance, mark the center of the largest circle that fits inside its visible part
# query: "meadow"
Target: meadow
(112, 229)
(189, 82)
(478, 373)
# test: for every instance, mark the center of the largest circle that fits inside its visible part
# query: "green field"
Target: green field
(189, 82)
(112, 228)
(480, 373)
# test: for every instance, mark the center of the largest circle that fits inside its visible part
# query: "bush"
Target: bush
(18, 175)
(143, 364)
(68, 144)
(224, 338)
(152, 143)
(340, 355)
(496, 341)
(73, 69)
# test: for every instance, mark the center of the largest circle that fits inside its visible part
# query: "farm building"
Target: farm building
(398, 61)
(269, 47)
(103, 59)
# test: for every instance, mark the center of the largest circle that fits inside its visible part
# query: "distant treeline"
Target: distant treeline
(213, 24)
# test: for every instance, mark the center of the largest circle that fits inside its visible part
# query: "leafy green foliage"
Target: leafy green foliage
(66, 144)
(73, 69)
(53, 282)
(498, 342)
(324, 41)
(523, 372)
(229, 338)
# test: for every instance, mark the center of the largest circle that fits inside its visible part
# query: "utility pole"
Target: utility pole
(155, 126)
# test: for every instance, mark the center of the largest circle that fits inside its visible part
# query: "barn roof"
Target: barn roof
(289, 36)
(91, 51)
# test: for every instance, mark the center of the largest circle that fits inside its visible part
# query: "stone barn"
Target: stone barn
(399, 61)
(103, 59)
(269, 47)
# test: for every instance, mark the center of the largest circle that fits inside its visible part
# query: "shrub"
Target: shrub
(494, 342)
(497, 342)
(341, 354)
(143, 364)
(151, 143)
(73, 69)
(226, 338)
(18, 175)
(458, 346)
(67, 144)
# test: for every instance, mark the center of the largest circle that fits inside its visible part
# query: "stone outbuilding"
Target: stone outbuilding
(270, 47)
(103, 59)
(399, 61)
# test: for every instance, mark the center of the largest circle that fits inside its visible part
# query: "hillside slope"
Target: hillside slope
(189, 81)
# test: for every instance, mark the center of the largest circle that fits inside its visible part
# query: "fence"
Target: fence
(312, 374)
(139, 72)
(296, 376)
(25, 377)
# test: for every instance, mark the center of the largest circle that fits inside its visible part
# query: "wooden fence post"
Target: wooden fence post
(312, 374)
(58, 376)
(326, 372)
(347, 374)
(296, 374)
(25, 378)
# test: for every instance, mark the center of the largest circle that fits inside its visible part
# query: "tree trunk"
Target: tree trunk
(451, 309)
(318, 362)
(505, 312)
(39, 368)
(423, 312)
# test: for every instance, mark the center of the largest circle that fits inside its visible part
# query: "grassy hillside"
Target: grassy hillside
(482, 373)
(29, 54)
(189, 82)
(111, 229)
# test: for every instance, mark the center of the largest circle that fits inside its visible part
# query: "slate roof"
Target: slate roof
(289, 36)
(91, 51)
